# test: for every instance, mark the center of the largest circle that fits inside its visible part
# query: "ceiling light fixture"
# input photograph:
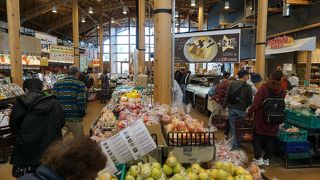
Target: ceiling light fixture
(112, 20)
(90, 10)
(193, 3)
(177, 14)
(125, 10)
(83, 19)
(286, 9)
(54, 9)
(99, 0)
(226, 5)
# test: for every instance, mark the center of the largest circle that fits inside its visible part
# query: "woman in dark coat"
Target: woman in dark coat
(264, 132)
(105, 87)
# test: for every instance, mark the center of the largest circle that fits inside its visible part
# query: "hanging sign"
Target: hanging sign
(209, 46)
(280, 42)
(61, 54)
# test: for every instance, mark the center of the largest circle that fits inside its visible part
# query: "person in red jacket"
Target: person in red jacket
(263, 131)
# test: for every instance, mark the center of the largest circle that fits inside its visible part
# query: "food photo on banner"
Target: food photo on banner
(221, 46)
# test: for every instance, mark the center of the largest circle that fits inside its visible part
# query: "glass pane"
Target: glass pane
(147, 57)
(132, 48)
(122, 57)
(106, 57)
(184, 29)
(122, 39)
(192, 68)
(122, 31)
(122, 48)
(125, 68)
(106, 48)
(119, 67)
(132, 39)
(132, 30)
(106, 41)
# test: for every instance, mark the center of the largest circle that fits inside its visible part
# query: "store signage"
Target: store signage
(32, 60)
(280, 42)
(61, 54)
(44, 62)
(46, 40)
(209, 46)
(96, 62)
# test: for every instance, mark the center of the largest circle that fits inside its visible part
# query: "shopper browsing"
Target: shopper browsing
(218, 96)
(37, 120)
(79, 159)
(238, 99)
(270, 98)
(72, 95)
(105, 86)
(294, 80)
(254, 81)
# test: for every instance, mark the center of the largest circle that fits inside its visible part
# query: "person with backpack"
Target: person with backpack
(37, 120)
(238, 99)
(268, 113)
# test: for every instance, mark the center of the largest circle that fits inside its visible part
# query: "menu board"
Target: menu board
(61, 54)
(222, 46)
(131, 143)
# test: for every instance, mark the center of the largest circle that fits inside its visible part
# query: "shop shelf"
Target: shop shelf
(294, 147)
(300, 136)
(121, 174)
(303, 121)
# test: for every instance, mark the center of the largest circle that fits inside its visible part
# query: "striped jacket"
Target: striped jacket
(72, 95)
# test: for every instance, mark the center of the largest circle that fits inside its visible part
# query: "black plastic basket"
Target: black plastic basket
(244, 130)
(7, 139)
(220, 122)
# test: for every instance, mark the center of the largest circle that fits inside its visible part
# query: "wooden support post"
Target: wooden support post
(261, 37)
(101, 41)
(163, 45)
(13, 13)
(75, 29)
(142, 48)
(201, 18)
(308, 67)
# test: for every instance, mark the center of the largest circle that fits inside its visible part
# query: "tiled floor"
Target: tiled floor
(275, 170)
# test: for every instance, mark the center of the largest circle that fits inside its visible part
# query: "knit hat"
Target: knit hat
(256, 78)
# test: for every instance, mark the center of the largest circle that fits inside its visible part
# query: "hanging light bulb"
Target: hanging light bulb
(83, 19)
(177, 14)
(226, 5)
(90, 10)
(125, 10)
(112, 20)
(193, 3)
(99, 0)
(286, 9)
(54, 9)
(98, 27)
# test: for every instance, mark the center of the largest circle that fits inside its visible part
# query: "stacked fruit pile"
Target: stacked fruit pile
(173, 170)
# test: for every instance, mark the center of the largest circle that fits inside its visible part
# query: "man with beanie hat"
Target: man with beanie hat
(37, 119)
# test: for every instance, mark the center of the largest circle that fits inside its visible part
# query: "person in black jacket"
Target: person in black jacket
(37, 120)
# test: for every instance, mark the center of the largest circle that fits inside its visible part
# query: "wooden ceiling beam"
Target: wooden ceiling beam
(59, 24)
(275, 10)
(41, 9)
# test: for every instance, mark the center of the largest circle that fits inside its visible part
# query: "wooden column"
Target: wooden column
(101, 41)
(308, 67)
(261, 38)
(75, 28)
(163, 45)
(142, 48)
(201, 17)
(13, 13)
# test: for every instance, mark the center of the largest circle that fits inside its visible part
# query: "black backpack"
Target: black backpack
(273, 108)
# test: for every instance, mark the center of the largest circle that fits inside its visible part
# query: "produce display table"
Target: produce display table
(199, 97)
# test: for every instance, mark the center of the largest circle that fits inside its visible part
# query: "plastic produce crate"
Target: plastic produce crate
(294, 147)
(305, 155)
(304, 121)
(121, 174)
(300, 136)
